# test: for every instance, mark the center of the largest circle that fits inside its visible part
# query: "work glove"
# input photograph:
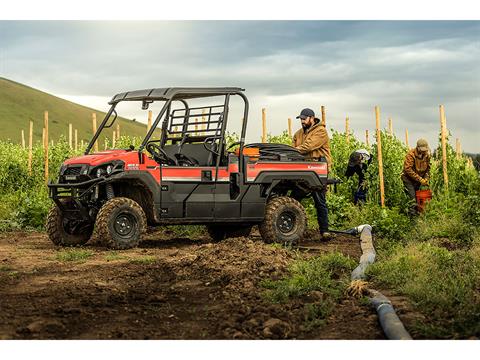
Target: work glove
(424, 182)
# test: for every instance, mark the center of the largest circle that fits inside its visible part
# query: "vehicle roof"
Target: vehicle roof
(175, 93)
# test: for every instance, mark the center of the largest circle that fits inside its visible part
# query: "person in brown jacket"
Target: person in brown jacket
(416, 169)
(312, 141)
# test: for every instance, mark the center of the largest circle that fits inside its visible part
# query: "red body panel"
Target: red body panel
(183, 173)
(253, 170)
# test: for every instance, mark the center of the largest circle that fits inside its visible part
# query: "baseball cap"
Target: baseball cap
(422, 145)
(306, 113)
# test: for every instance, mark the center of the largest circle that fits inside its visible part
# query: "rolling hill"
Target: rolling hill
(20, 103)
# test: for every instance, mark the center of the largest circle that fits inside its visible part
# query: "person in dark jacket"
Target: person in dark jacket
(358, 164)
(313, 142)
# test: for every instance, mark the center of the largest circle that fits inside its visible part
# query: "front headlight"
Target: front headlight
(107, 169)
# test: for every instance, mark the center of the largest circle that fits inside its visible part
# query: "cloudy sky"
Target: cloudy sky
(407, 68)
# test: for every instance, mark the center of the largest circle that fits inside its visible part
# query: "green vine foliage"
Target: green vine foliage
(24, 199)
(393, 156)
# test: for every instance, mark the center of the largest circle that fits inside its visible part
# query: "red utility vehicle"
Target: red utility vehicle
(187, 176)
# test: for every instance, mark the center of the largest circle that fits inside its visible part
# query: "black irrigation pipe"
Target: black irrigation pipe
(389, 320)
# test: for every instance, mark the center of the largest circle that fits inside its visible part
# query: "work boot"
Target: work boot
(327, 236)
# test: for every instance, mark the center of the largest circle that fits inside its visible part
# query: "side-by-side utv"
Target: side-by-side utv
(186, 176)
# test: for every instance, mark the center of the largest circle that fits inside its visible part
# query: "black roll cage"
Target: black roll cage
(170, 95)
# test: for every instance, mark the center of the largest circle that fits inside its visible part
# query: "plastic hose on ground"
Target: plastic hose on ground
(390, 322)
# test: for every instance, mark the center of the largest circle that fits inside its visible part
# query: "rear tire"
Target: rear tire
(62, 232)
(285, 221)
(121, 223)
(221, 232)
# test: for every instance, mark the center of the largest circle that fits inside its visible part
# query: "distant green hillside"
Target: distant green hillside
(19, 104)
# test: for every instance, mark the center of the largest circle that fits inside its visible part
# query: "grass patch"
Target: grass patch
(327, 274)
(5, 268)
(145, 260)
(186, 231)
(448, 217)
(115, 256)
(443, 285)
(74, 255)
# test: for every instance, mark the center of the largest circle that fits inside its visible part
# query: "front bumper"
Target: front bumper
(72, 198)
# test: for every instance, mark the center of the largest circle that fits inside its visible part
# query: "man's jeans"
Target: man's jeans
(319, 198)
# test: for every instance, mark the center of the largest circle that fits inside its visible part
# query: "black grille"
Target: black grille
(73, 170)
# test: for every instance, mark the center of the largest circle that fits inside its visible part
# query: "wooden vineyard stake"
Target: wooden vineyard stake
(347, 129)
(264, 126)
(443, 125)
(470, 162)
(113, 139)
(380, 159)
(94, 130)
(406, 139)
(458, 148)
(324, 118)
(118, 131)
(70, 137)
(43, 138)
(290, 127)
(149, 123)
(367, 140)
(45, 145)
(390, 126)
(76, 139)
(30, 148)
(23, 139)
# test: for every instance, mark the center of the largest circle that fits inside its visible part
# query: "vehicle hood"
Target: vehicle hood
(102, 157)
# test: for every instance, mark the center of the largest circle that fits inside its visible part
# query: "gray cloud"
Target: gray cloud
(407, 67)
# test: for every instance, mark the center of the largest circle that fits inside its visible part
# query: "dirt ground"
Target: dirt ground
(168, 288)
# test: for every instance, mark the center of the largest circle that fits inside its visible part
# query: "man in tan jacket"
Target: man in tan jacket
(312, 141)
(416, 169)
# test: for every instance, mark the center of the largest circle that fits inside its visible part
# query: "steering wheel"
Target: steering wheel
(184, 160)
(160, 154)
(210, 140)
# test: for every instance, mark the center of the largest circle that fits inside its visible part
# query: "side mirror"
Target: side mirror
(146, 103)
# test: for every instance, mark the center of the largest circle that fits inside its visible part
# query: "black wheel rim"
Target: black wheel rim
(125, 225)
(286, 222)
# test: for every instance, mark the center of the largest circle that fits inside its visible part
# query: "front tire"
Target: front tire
(67, 232)
(121, 223)
(285, 221)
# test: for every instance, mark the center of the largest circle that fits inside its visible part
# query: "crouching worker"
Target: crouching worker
(358, 164)
(312, 141)
(416, 170)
